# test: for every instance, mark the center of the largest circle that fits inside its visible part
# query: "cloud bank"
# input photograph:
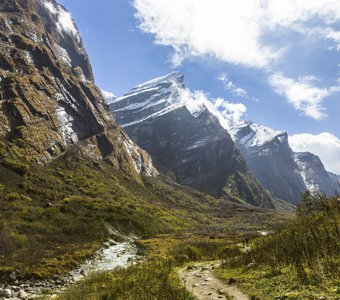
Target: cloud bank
(303, 94)
(325, 145)
(237, 32)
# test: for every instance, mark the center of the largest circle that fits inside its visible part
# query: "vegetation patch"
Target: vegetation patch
(149, 280)
(299, 262)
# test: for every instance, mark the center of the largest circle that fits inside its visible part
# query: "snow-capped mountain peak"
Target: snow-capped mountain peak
(108, 96)
(149, 100)
(252, 134)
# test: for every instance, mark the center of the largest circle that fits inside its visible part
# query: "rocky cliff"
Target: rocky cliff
(287, 175)
(314, 174)
(48, 99)
(192, 145)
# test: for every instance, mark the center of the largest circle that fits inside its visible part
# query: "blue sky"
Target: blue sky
(280, 59)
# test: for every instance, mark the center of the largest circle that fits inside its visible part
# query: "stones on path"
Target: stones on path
(7, 293)
(202, 283)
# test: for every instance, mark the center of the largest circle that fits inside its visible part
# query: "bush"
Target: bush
(16, 166)
(310, 244)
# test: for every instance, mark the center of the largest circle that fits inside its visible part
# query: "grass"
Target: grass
(300, 261)
(146, 281)
(153, 279)
(262, 283)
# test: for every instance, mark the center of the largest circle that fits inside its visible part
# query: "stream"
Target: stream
(111, 256)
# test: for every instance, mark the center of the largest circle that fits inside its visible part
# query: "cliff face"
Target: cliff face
(48, 99)
(193, 146)
(269, 156)
(287, 175)
(315, 176)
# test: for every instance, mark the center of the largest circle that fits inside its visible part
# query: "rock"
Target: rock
(7, 293)
(15, 288)
(112, 242)
(251, 265)
(23, 295)
(82, 272)
(207, 279)
(33, 296)
(221, 292)
(106, 244)
(195, 285)
(13, 275)
(53, 297)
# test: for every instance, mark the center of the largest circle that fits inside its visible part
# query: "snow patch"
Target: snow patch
(138, 161)
(62, 54)
(66, 121)
(307, 175)
(28, 57)
(157, 114)
(65, 21)
(108, 96)
(8, 25)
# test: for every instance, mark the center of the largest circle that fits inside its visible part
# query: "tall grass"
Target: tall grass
(310, 245)
(147, 281)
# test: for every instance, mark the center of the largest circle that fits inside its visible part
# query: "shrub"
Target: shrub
(310, 244)
(16, 166)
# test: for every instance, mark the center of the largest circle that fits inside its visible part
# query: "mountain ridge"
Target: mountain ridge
(188, 142)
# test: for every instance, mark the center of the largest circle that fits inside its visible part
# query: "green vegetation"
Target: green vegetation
(153, 279)
(53, 216)
(146, 281)
(299, 262)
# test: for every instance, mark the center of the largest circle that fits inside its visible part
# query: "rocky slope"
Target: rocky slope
(48, 100)
(284, 173)
(315, 175)
(191, 144)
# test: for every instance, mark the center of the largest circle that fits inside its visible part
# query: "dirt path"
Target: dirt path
(202, 283)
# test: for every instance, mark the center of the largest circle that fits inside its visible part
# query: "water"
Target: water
(106, 259)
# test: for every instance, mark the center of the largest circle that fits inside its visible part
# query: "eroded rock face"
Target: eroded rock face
(193, 146)
(48, 99)
(315, 175)
(269, 156)
(286, 174)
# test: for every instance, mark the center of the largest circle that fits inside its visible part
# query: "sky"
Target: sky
(277, 61)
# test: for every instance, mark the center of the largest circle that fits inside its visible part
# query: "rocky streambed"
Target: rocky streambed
(111, 256)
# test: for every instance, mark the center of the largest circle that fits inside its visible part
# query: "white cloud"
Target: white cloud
(65, 21)
(303, 94)
(232, 31)
(228, 30)
(222, 109)
(325, 145)
(233, 88)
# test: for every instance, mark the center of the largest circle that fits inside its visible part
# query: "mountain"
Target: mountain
(336, 180)
(315, 175)
(189, 143)
(269, 156)
(48, 100)
(287, 175)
